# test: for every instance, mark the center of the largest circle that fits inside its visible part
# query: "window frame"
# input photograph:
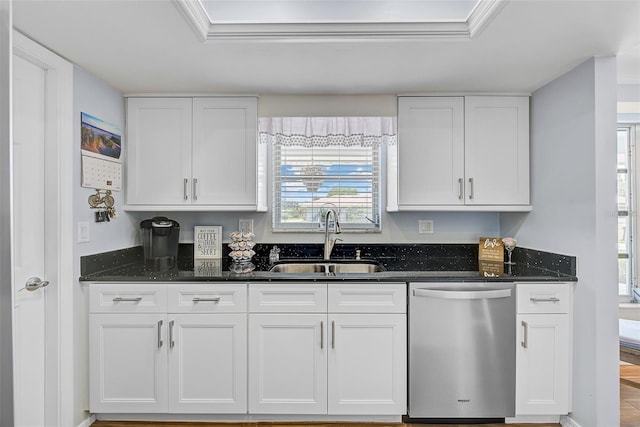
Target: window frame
(633, 132)
(377, 182)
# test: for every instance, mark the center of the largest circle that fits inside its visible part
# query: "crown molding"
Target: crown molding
(195, 13)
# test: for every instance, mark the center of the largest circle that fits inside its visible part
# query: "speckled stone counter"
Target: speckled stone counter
(402, 262)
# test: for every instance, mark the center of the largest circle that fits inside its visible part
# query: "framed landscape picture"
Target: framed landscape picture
(207, 242)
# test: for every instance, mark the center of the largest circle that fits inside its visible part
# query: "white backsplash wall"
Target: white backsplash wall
(397, 227)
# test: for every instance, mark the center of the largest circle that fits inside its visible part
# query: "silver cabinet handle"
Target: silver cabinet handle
(525, 334)
(171, 342)
(470, 188)
(198, 299)
(460, 188)
(195, 189)
(333, 334)
(552, 299)
(160, 333)
(134, 299)
(321, 334)
(185, 189)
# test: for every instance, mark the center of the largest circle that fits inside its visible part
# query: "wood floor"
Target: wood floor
(190, 424)
(629, 395)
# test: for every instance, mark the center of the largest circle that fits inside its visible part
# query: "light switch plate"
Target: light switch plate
(425, 226)
(83, 232)
(245, 224)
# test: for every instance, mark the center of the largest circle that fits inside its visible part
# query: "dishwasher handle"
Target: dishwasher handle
(476, 294)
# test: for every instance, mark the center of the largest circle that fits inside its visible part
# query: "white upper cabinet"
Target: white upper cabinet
(460, 153)
(192, 154)
(496, 150)
(158, 148)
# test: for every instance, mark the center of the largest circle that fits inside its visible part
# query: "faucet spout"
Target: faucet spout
(328, 241)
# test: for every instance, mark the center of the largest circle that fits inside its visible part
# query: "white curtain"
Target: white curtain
(328, 131)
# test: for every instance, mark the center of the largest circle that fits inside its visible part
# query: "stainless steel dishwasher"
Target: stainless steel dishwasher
(462, 350)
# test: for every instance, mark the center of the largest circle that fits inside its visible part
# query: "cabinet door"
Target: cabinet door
(367, 364)
(224, 152)
(207, 363)
(430, 151)
(128, 363)
(158, 151)
(287, 364)
(542, 360)
(497, 150)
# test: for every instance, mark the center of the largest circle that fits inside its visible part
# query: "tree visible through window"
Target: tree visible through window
(326, 163)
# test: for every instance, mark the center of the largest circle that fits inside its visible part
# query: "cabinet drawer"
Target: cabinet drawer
(367, 298)
(285, 297)
(208, 298)
(127, 298)
(543, 297)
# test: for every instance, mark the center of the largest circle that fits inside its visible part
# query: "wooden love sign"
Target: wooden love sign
(491, 256)
(491, 249)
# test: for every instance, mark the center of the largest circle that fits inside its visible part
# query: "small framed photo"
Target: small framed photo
(207, 242)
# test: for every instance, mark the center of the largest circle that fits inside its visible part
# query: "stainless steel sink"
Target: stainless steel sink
(328, 268)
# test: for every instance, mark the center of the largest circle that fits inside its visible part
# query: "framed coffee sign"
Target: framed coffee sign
(207, 242)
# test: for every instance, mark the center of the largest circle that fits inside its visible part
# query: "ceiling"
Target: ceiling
(148, 46)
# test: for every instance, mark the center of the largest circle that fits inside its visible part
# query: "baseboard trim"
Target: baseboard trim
(88, 421)
(567, 421)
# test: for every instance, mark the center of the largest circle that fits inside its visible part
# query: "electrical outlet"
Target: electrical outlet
(245, 224)
(425, 226)
(83, 232)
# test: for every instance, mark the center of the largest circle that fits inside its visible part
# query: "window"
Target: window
(324, 163)
(625, 160)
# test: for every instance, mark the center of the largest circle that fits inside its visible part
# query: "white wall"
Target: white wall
(6, 306)
(573, 184)
(94, 97)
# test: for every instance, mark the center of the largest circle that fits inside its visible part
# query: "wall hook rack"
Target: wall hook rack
(105, 202)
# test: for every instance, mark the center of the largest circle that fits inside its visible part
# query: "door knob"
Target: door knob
(34, 283)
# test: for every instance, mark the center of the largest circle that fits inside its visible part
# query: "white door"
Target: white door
(42, 235)
(207, 363)
(367, 364)
(287, 363)
(29, 246)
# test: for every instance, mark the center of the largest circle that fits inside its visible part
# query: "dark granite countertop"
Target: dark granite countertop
(403, 263)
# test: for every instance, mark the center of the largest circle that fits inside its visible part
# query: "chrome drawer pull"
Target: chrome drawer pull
(186, 182)
(321, 334)
(552, 299)
(160, 322)
(333, 334)
(171, 342)
(120, 299)
(198, 299)
(460, 188)
(525, 333)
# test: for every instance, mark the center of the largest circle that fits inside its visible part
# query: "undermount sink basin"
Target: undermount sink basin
(328, 268)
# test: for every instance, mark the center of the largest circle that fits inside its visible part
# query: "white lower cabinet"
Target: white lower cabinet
(351, 361)
(367, 364)
(192, 360)
(543, 373)
(128, 362)
(287, 364)
(207, 363)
